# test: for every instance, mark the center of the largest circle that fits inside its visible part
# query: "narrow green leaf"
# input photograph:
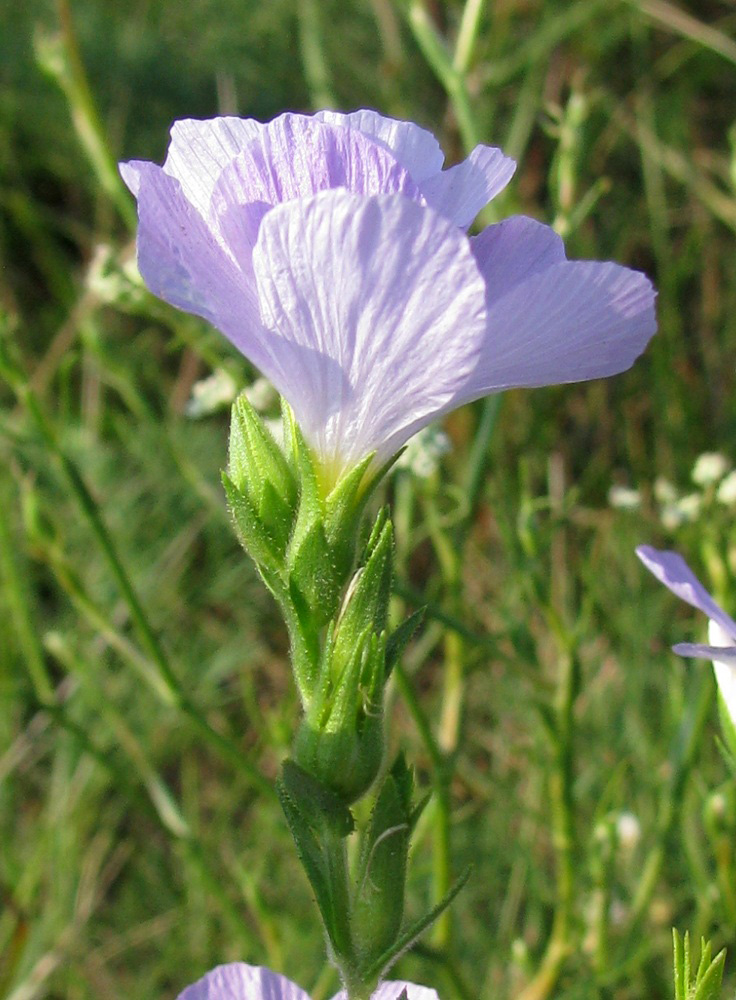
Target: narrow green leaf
(681, 981)
(710, 984)
(381, 966)
(400, 638)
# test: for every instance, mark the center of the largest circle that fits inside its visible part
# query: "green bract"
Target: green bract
(304, 538)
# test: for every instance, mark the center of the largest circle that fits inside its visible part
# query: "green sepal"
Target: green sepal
(340, 740)
(400, 638)
(305, 640)
(343, 510)
(319, 823)
(367, 599)
(256, 460)
(276, 516)
(310, 511)
(378, 906)
(250, 529)
(311, 569)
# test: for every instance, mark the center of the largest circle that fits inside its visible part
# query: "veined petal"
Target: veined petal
(672, 570)
(393, 991)
(724, 667)
(462, 191)
(186, 264)
(570, 322)
(415, 148)
(239, 981)
(295, 156)
(512, 251)
(387, 298)
(200, 150)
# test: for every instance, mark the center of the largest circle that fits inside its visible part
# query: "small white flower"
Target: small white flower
(709, 468)
(628, 830)
(210, 394)
(682, 511)
(727, 489)
(261, 395)
(424, 451)
(664, 491)
(624, 498)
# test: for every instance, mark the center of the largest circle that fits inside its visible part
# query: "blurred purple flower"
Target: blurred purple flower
(239, 981)
(331, 250)
(672, 570)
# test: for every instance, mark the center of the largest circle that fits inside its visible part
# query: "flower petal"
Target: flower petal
(200, 150)
(183, 262)
(672, 570)
(295, 156)
(394, 990)
(573, 321)
(700, 651)
(462, 191)
(415, 148)
(387, 298)
(238, 981)
(512, 251)
(724, 667)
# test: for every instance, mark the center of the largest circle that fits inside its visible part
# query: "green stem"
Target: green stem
(467, 35)
(563, 834)
(24, 626)
(435, 51)
(62, 60)
(690, 737)
(314, 62)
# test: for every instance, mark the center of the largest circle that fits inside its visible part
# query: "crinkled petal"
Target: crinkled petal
(672, 570)
(200, 150)
(512, 251)
(415, 148)
(239, 981)
(388, 298)
(394, 991)
(724, 667)
(294, 157)
(183, 262)
(570, 322)
(462, 191)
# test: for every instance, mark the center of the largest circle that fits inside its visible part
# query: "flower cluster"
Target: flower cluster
(332, 251)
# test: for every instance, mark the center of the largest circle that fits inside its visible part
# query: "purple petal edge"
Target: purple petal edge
(672, 570)
(239, 981)
(701, 651)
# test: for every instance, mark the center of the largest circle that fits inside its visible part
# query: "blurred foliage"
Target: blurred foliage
(141, 845)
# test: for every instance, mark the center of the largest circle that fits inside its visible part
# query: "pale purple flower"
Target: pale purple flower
(331, 250)
(239, 981)
(672, 570)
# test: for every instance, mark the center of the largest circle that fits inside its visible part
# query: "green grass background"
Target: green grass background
(136, 851)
